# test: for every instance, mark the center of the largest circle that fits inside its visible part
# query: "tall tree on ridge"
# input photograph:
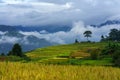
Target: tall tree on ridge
(87, 34)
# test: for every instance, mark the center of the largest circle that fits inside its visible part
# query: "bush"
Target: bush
(95, 54)
(116, 57)
(113, 50)
(2, 54)
(76, 41)
(109, 49)
(16, 50)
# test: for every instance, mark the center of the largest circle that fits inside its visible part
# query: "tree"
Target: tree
(9, 53)
(16, 50)
(102, 38)
(113, 35)
(2, 54)
(113, 50)
(87, 34)
(76, 41)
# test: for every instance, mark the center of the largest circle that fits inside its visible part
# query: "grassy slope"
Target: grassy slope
(53, 54)
(63, 49)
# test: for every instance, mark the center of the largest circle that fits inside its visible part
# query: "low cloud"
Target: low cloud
(60, 37)
(75, 33)
(7, 39)
(2, 33)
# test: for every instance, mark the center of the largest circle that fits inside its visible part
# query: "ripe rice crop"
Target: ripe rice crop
(36, 71)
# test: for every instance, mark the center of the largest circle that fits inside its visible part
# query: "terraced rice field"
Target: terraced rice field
(36, 71)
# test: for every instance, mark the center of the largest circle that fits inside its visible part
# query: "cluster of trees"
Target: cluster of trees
(86, 34)
(111, 50)
(114, 35)
(16, 51)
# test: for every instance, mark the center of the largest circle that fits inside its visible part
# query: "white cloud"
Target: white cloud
(7, 39)
(75, 33)
(2, 33)
(62, 37)
(32, 13)
(44, 12)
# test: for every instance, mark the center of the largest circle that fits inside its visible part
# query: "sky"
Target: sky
(79, 13)
(45, 12)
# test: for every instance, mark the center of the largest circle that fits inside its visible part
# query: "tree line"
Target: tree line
(114, 35)
(15, 51)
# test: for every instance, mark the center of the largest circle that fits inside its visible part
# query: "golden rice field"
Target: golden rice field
(36, 71)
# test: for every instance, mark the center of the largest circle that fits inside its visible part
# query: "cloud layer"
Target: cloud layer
(60, 37)
(44, 12)
(75, 33)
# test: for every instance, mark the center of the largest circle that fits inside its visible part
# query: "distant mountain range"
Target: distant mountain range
(27, 42)
(108, 22)
(48, 28)
(12, 35)
(7, 28)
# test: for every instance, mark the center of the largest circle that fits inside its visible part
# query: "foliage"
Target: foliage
(94, 54)
(110, 48)
(87, 34)
(114, 35)
(16, 50)
(103, 38)
(89, 61)
(113, 49)
(76, 41)
(2, 54)
(116, 57)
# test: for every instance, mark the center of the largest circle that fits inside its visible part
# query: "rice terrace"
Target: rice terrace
(64, 62)
(59, 39)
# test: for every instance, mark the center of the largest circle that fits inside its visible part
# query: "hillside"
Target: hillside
(61, 54)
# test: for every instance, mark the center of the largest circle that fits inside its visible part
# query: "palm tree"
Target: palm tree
(87, 34)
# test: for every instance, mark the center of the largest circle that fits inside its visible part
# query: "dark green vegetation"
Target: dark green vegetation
(114, 35)
(87, 34)
(16, 50)
(15, 54)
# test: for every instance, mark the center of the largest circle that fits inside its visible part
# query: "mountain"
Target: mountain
(7, 28)
(108, 22)
(30, 37)
(9, 35)
(27, 42)
(48, 28)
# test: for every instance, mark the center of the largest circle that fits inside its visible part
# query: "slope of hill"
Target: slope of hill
(48, 28)
(11, 35)
(7, 28)
(61, 54)
(108, 22)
